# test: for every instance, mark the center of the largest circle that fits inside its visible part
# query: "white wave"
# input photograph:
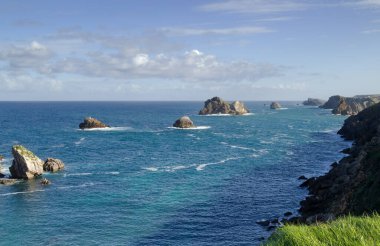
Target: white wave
(76, 186)
(81, 140)
(216, 115)
(247, 114)
(20, 192)
(112, 173)
(282, 108)
(110, 129)
(224, 143)
(265, 142)
(58, 146)
(201, 167)
(152, 169)
(192, 128)
(77, 174)
(240, 147)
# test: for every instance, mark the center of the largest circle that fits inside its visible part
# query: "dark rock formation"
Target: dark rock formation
(352, 186)
(184, 122)
(216, 105)
(314, 102)
(350, 105)
(90, 122)
(275, 105)
(45, 181)
(25, 165)
(53, 165)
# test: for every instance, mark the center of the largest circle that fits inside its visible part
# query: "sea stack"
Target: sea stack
(314, 102)
(216, 105)
(25, 165)
(184, 122)
(275, 105)
(90, 123)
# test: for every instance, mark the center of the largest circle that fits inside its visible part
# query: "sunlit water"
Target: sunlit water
(145, 183)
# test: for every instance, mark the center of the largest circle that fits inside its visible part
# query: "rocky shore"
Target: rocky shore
(216, 105)
(352, 186)
(350, 105)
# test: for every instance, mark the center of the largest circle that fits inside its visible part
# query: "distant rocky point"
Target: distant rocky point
(184, 122)
(350, 105)
(275, 105)
(216, 105)
(90, 122)
(314, 102)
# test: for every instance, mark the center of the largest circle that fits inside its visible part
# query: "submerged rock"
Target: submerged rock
(25, 165)
(53, 165)
(90, 122)
(314, 102)
(8, 181)
(184, 122)
(45, 181)
(216, 105)
(275, 105)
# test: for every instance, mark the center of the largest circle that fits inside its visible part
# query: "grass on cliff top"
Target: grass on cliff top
(348, 231)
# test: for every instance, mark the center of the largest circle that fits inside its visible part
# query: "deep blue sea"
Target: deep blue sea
(144, 183)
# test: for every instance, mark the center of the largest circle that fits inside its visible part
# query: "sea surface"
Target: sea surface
(142, 182)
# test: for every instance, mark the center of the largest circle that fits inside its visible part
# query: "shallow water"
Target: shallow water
(144, 183)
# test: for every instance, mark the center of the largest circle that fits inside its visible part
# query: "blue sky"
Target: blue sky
(188, 50)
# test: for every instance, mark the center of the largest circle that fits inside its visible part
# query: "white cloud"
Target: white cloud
(141, 59)
(254, 6)
(371, 31)
(244, 30)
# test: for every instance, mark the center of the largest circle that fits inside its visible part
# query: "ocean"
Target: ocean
(142, 182)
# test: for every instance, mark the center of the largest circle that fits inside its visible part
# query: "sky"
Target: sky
(97, 50)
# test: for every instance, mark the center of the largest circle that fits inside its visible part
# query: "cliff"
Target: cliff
(350, 105)
(352, 186)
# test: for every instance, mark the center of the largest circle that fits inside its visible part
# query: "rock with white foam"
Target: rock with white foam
(216, 105)
(184, 122)
(275, 105)
(91, 123)
(25, 165)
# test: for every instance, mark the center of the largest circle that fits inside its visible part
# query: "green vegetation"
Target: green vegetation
(345, 231)
(25, 152)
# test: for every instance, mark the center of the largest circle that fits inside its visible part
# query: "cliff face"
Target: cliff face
(350, 105)
(352, 186)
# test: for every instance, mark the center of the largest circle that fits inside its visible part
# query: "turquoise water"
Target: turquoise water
(143, 183)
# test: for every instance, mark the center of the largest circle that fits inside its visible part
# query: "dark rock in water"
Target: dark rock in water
(8, 181)
(270, 228)
(353, 185)
(2, 175)
(216, 105)
(302, 177)
(263, 222)
(184, 122)
(53, 165)
(45, 181)
(90, 122)
(287, 214)
(346, 151)
(314, 102)
(275, 105)
(308, 182)
(350, 105)
(25, 165)
(275, 221)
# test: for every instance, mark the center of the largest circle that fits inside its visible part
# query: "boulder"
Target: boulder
(314, 102)
(25, 165)
(184, 122)
(275, 105)
(216, 105)
(53, 165)
(90, 122)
